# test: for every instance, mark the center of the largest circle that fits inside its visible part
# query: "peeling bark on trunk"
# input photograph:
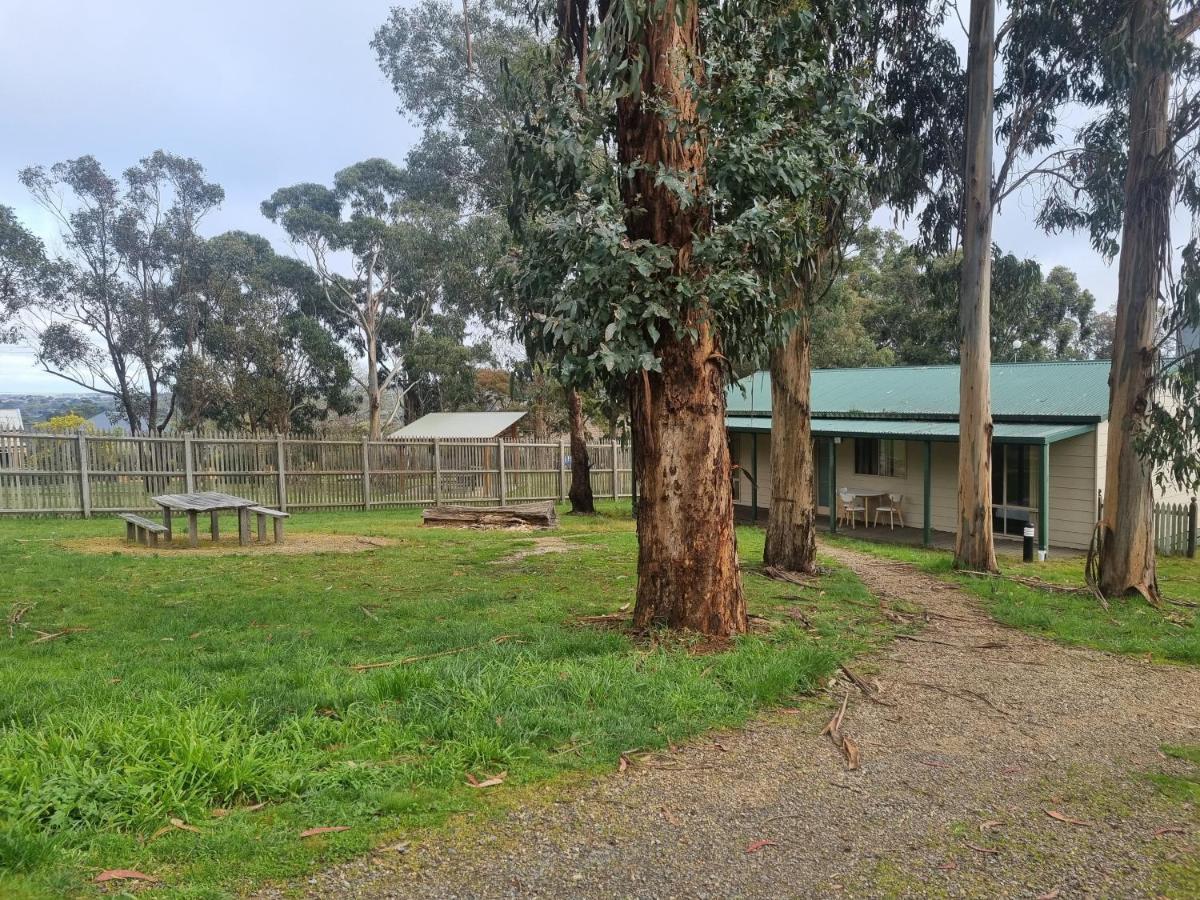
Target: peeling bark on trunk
(1127, 530)
(791, 541)
(581, 464)
(687, 555)
(974, 548)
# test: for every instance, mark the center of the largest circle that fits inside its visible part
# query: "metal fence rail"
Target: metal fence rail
(84, 474)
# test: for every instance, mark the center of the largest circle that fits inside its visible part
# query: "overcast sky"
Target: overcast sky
(262, 92)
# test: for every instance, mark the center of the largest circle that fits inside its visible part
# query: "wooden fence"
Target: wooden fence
(86, 474)
(1175, 527)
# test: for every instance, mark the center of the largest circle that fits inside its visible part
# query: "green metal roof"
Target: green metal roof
(1064, 392)
(918, 430)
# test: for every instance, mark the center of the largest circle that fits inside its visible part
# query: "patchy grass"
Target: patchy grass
(1185, 786)
(183, 684)
(1129, 625)
(1178, 875)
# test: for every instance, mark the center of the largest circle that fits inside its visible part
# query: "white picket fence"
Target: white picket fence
(1175, 528)
(86, 474)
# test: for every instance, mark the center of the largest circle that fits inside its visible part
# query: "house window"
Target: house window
(873, 456)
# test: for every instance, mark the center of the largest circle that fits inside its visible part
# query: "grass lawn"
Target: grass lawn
(1129, 625)
(191, 683)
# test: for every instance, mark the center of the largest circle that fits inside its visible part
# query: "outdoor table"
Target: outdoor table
(867, 494)
(211, 502)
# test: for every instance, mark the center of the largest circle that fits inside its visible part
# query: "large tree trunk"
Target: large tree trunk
(581, 463)
(687, 555)
(791, 529)
(974, 548)
(1127, 530)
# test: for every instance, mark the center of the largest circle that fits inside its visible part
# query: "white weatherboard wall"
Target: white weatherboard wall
(1169, 494)
(742, 445)
(1073, 481)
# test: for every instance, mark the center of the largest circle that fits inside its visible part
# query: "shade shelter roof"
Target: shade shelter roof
(460, 425)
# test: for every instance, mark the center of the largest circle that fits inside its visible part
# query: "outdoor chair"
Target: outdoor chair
(851, 507)
(892, 509)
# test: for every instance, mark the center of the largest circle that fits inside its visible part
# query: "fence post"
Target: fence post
(280, 474)
(500, 468)
(437, 472)
(562, 470)
(614, 468)
(1191, 535)
(366, 472)
(85, 483)
(189, 465)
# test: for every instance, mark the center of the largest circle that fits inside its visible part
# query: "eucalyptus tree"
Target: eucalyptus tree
(448, 68)
(1048, 55)
(891, 62)
(649, 201)
(973, 547)
(22, 271)
(100, 314)
(1135, 165)
(387, 262)
(256, 357)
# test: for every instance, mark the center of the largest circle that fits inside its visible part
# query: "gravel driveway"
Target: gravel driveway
(983, 732)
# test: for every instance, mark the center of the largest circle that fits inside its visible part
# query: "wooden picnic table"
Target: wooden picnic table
(211, 502)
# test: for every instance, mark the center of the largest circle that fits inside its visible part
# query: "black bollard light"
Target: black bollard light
(1027, 552)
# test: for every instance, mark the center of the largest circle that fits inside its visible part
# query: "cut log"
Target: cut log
(537, 515)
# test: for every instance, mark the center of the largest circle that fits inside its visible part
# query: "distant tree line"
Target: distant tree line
(892, 304)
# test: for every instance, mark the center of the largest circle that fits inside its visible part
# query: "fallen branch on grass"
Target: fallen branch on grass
(44, 636)
(363, 667)
(16, 614)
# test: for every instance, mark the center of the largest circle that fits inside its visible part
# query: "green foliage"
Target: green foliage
(220, 681)
(22, 268)
(1086, 191)
(422, 51)
(415, 273)
(99, 314)
(254, 357)
(775, 118)
(890, 303)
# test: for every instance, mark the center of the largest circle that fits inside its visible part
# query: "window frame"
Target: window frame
(887, 459)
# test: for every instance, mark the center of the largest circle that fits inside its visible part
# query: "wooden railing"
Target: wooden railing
(86, 474)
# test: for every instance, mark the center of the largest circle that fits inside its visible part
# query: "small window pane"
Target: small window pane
(894, 461)
(866, 456)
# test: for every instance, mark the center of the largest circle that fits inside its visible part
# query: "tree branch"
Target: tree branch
(1183, 27)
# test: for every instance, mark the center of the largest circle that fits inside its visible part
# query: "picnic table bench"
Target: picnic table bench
(263, 513)
(141, 530)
